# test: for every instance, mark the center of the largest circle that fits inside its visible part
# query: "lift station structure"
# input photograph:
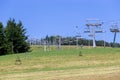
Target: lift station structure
(93, 26)
(78, 36)
(114, 29)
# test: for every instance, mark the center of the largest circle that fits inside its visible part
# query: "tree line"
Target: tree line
(53, 40)
(13, 38)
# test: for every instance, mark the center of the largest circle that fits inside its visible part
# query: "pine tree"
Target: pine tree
(3, 48)
(15, 35)
(22, 45)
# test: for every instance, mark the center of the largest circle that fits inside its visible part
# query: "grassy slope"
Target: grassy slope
(67, 59)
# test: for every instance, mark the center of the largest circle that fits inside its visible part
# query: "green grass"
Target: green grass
(64, 59)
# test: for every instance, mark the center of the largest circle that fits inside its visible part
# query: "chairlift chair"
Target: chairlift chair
(99, 31)
(114, 28)
(78, 36)
(87, 30)
(98, 24)
(90, 35)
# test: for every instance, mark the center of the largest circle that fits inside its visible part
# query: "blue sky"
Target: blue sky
(59, 17)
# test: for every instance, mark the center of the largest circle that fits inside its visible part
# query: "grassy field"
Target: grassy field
(68, 63)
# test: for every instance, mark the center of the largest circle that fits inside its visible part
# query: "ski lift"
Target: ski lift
(98, 24)
(95, 24)
(87, 25)
(90, 35)
(114, 28)
(87, 30)
(99, 30)
(78, 36)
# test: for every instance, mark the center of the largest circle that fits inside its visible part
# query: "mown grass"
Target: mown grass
(65, 59)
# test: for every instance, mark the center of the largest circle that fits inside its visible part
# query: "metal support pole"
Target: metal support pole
(89, 43)
(59, 45)
(93, 32)
(114, 39)
(77, 43)
(45, 46)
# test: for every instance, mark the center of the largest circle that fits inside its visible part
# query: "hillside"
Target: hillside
(68, 63)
